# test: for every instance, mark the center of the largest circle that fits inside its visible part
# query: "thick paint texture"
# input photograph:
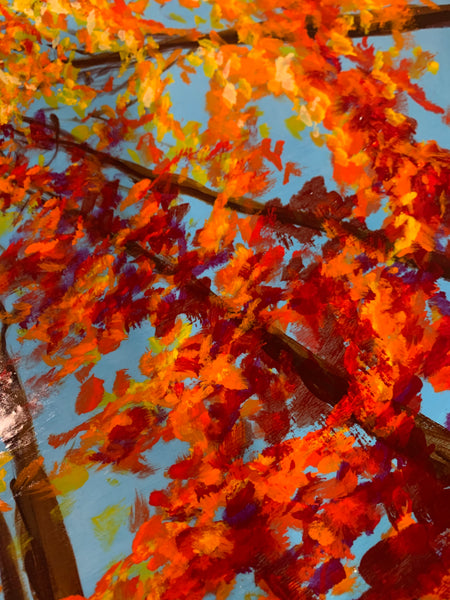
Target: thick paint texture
(288, 339)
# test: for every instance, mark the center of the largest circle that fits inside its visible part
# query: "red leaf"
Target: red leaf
(90, 395)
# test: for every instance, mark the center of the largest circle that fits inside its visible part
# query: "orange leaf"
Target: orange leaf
(4, 507)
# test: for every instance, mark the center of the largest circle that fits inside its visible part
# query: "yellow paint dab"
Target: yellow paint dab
(107, 523)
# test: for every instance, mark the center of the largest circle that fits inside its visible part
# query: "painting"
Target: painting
(224, 314)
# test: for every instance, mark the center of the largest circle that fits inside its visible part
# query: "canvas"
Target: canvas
(225, 332)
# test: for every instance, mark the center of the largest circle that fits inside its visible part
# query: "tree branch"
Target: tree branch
(421, 17)
(325, 381)
(433, 261)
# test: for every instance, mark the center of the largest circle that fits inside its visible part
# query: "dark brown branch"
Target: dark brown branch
(436, 262)
(50, 561)
(330, 385)
(325, 381)
(189, 41)
(433, 261)
(421, 17)
(187, 186)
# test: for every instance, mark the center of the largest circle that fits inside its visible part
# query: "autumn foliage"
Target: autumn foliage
(289, 338)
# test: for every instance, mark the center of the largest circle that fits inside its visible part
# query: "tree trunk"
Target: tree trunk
(48, 558)
(9, 569)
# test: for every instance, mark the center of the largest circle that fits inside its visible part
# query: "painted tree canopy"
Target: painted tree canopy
(289, 336)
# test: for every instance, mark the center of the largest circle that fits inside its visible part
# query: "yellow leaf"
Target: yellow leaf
(134, 155)
(342, 44)
(406, 199)
(178, 18)
(199, 20)
(70, 478)
(5, 457)
(107, 524)
(433, 67)
(264, 130)
(6, 221)
(81, 132)
(294, 125)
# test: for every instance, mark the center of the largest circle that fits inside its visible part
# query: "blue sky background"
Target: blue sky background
(104, 488)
